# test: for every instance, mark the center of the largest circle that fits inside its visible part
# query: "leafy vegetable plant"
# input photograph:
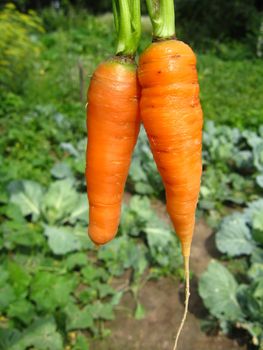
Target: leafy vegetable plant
(51, 286)
(238, 301)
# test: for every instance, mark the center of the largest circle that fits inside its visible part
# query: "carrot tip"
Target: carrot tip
(187, 296)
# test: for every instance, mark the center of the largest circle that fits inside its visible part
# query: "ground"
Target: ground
(163, 301)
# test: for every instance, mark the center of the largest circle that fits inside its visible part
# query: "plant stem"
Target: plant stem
(161, 13)
(127, 19)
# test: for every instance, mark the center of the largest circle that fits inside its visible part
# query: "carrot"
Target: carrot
(172, 116)
(113, 126)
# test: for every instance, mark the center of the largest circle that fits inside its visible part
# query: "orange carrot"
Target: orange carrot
(172, 116)
(113, 126)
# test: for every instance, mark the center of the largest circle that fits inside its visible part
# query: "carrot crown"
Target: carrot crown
(161, 13)
(127, 19)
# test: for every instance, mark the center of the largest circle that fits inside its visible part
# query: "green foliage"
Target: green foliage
(19, 46)
(236, 304)
(239, 233)
(229, 155)
(50, 283)
(218, 289)
(227, 87)
(234, 237)
(32, 142)
(143, 174)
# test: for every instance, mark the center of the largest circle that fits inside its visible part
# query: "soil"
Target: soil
(163, 301)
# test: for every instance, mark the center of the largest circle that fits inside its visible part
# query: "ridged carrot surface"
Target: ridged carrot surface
(113, 126)
(172, 116)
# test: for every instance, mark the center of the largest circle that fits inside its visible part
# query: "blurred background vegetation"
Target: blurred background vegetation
(48, 52)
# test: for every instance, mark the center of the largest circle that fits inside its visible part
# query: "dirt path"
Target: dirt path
(163, 301)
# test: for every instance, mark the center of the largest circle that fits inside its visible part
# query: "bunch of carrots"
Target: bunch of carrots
(162, 93)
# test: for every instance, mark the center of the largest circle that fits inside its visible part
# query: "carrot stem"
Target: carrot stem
(161, 13)
(186, 302)
(127, 20)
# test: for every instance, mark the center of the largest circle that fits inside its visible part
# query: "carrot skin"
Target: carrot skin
(113, 126)
(172, 116)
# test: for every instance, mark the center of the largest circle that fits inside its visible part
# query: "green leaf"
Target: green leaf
(257, 221)
(50, 291)
(116, 298)
(254, 208)
(87, 295)
(4, 275)
(244, 159)
(259, 180)
(250, 298)
(257, 224)
(24, 234)
(254, 214)
(92, 273)
(114, 255)
(139, 312)
(69, 148)
(31, 263)
(218, 289)
(76, 260)
(233, 237)
(138, 259)
(258, 293)
(157, 237)
(103, 311)
(258, 155)
(78, 319)
(7, 296)
(104, 289)
(9, 339)
(62, 240)
(257, 255)
(136, 171)
(135, 217)
(143, 188)
(120, 254)
(164, 247)
(59, 201)
(61, 171)
(82, 234)
(256, 271)
(12, 211)
(27, 195)
(141, 206)
(80, 211)
(81, 343)
(42, 335)
(19, 278)
(23, 310)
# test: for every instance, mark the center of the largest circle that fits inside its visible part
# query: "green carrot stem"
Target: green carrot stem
(127, 19)
(161, 13)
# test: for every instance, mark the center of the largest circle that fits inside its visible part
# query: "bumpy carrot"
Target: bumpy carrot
(172, 116)
(113, 126)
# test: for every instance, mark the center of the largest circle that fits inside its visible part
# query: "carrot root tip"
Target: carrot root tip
(187, 296)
